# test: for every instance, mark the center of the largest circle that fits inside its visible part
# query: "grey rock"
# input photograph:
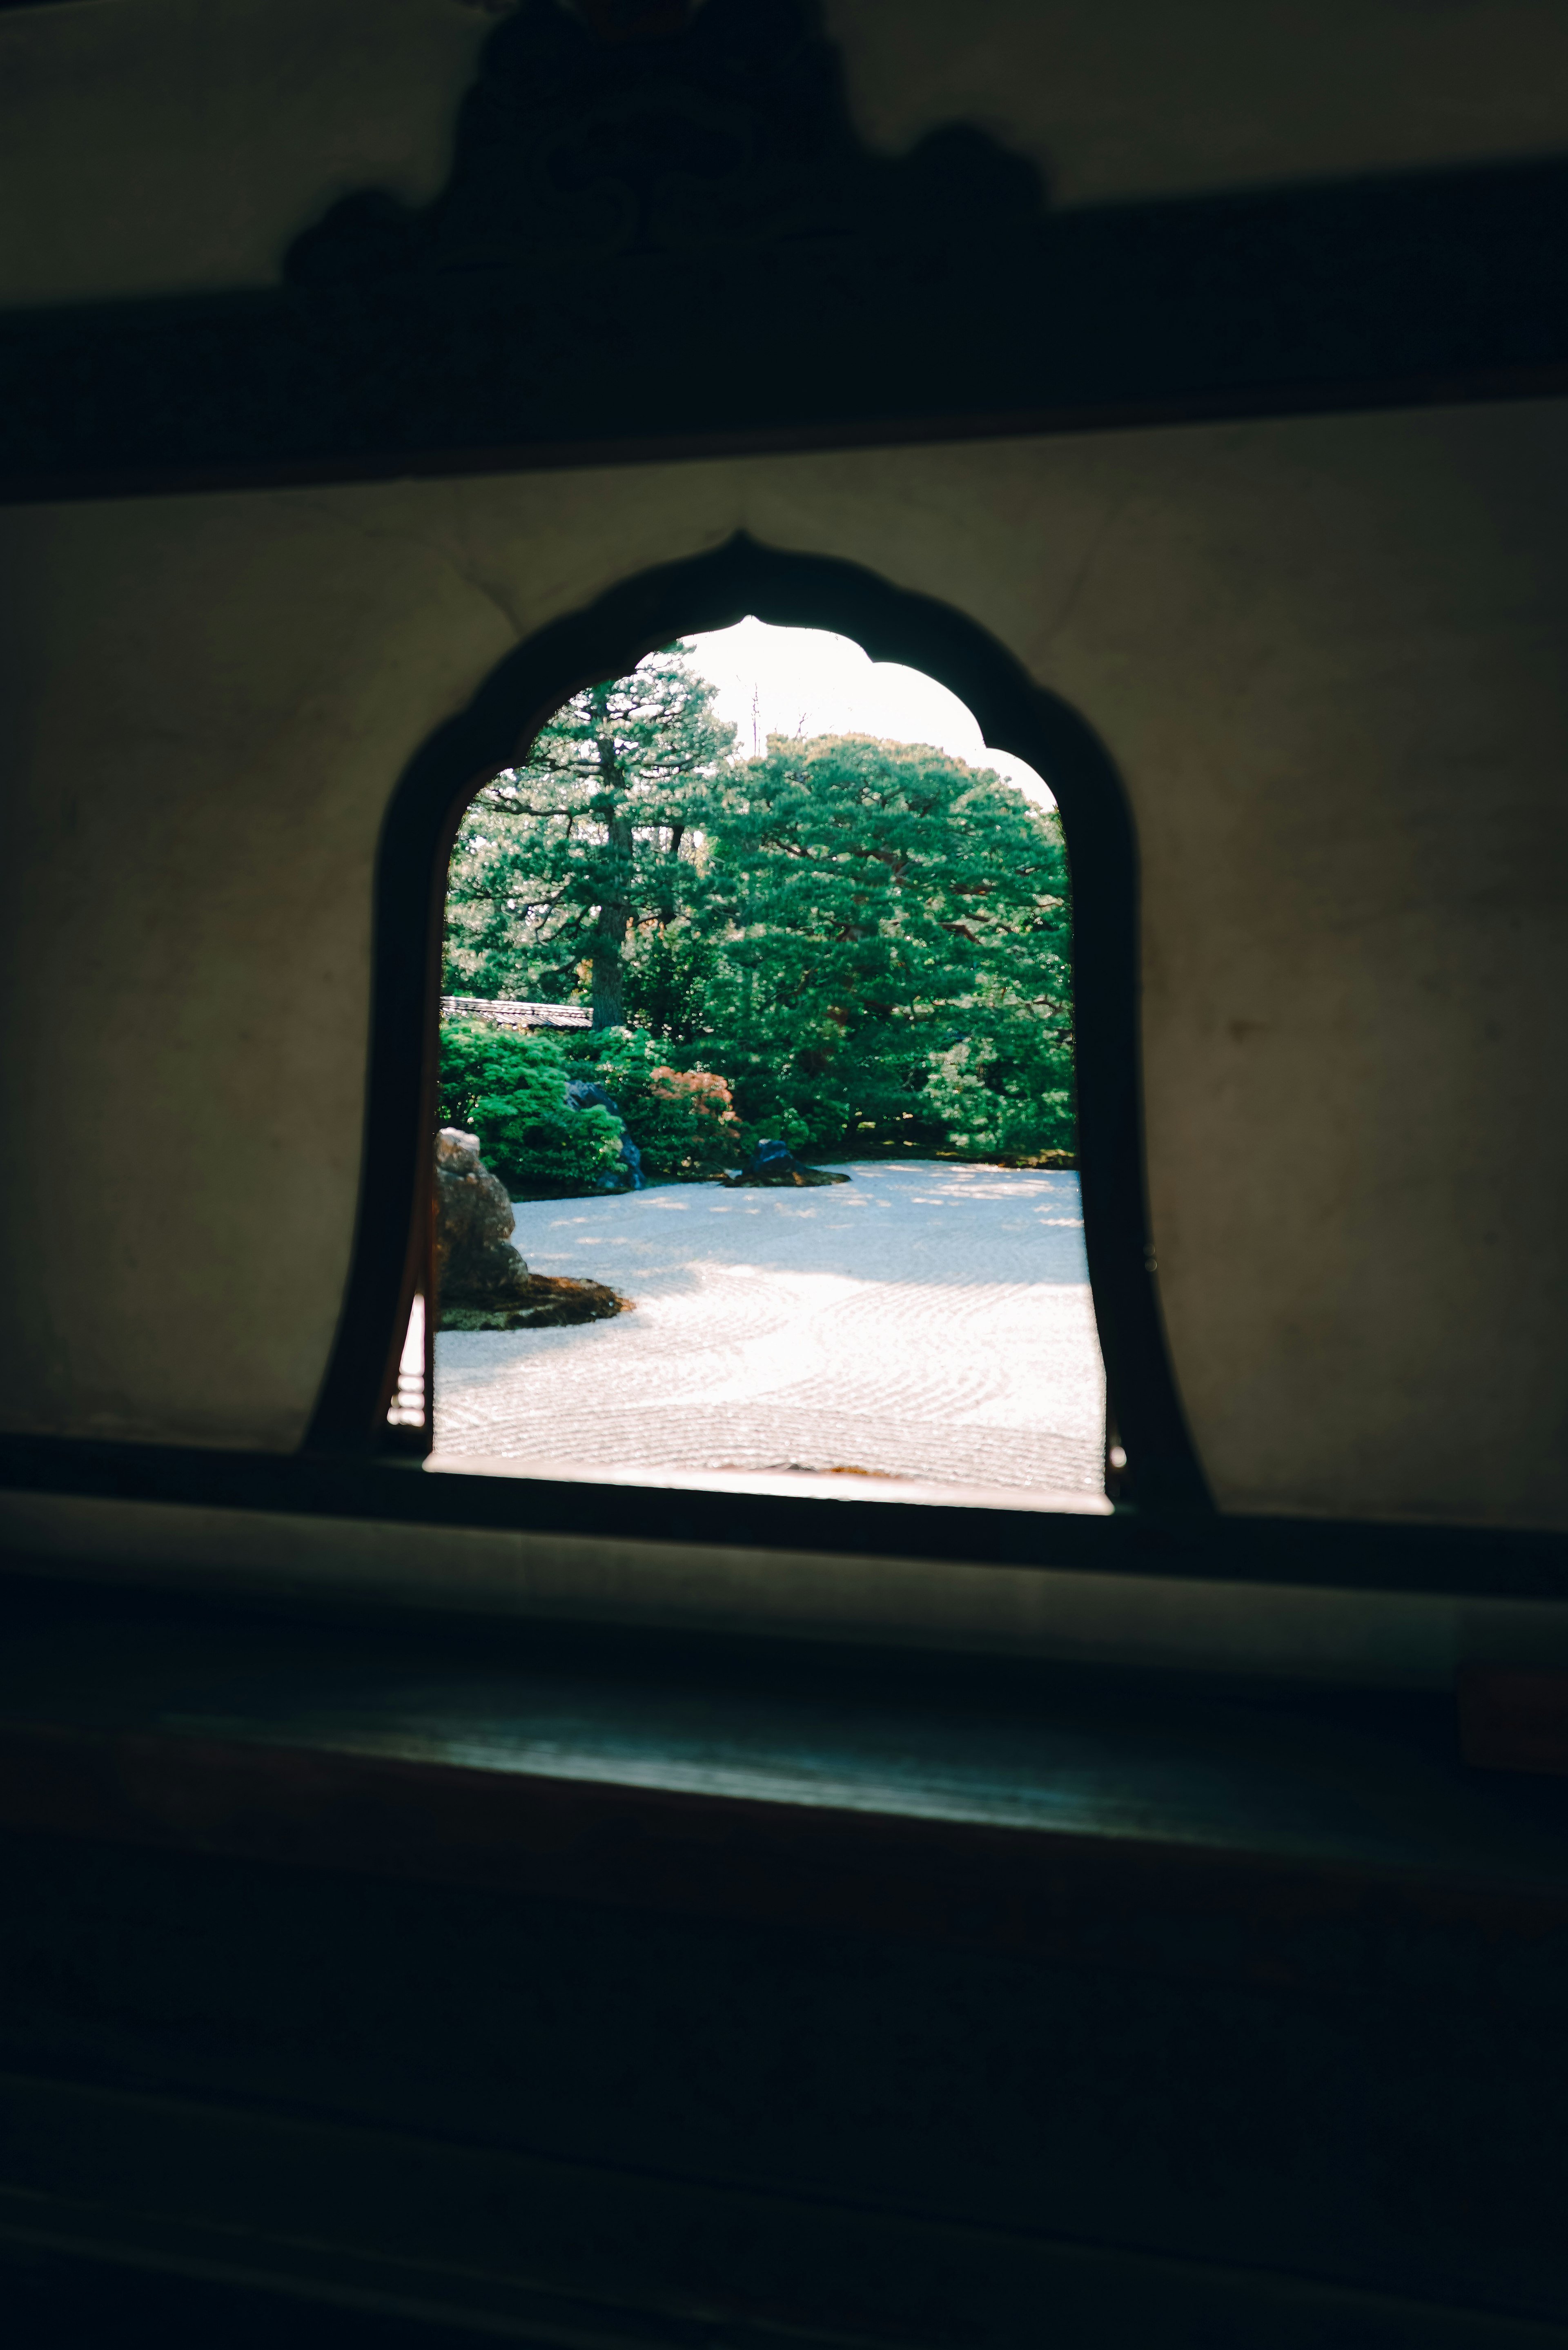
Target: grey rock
(476, 1264)
(775, 1163)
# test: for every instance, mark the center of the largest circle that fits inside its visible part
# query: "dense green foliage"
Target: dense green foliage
(889, 950)
(861, 945)
(682, 1120)
(510, 1089)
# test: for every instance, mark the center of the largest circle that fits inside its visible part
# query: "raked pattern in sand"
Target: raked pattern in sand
(924, 1321)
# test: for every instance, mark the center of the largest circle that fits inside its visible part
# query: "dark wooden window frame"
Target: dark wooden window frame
(392, 1260)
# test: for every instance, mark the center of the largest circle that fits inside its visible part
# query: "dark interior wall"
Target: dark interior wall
(1323, 651)
(1325, 656)
(1225, 2013)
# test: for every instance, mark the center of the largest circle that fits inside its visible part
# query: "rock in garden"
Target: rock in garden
(551, 1302)
(476, 1264)
(482, 1282)
(584, 1093)
(774, 1163)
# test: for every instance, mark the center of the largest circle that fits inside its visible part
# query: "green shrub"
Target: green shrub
(1002, 1104)
(682, 1120)
(508, 1086)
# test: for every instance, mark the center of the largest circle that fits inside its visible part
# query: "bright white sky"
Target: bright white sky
(803, 680)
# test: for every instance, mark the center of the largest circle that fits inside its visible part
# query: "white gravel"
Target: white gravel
(925, 1322)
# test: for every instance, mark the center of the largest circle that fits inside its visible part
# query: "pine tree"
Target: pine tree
(560, 863)
(896, 960)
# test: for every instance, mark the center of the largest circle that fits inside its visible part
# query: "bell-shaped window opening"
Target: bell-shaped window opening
(754, 1099)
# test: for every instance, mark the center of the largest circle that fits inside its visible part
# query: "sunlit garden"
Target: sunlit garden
(857, 947)
(758, 1149)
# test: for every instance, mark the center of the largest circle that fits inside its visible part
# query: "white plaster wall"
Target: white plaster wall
(1326, 655)
(1121, 99)
(167, 145)
(147, 146)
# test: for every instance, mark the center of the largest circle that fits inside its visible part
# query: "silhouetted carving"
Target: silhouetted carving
(626, 215)
(574, 150)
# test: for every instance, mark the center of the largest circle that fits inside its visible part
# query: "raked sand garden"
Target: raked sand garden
(926, 1321)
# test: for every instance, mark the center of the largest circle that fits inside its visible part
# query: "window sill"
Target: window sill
(938, 1798)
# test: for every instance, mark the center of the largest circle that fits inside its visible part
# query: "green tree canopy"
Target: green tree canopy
(885, 940)
(869, 941)
(559, 862)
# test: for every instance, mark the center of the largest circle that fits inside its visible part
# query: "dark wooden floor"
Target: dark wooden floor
(360, 1982)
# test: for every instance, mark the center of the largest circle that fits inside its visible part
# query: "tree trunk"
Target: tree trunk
(609, 940)
(609, 979)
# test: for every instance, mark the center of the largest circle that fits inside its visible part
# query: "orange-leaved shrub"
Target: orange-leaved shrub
(688, 1121)
(683, 1121)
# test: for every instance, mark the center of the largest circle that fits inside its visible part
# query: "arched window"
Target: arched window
(375, 1358)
